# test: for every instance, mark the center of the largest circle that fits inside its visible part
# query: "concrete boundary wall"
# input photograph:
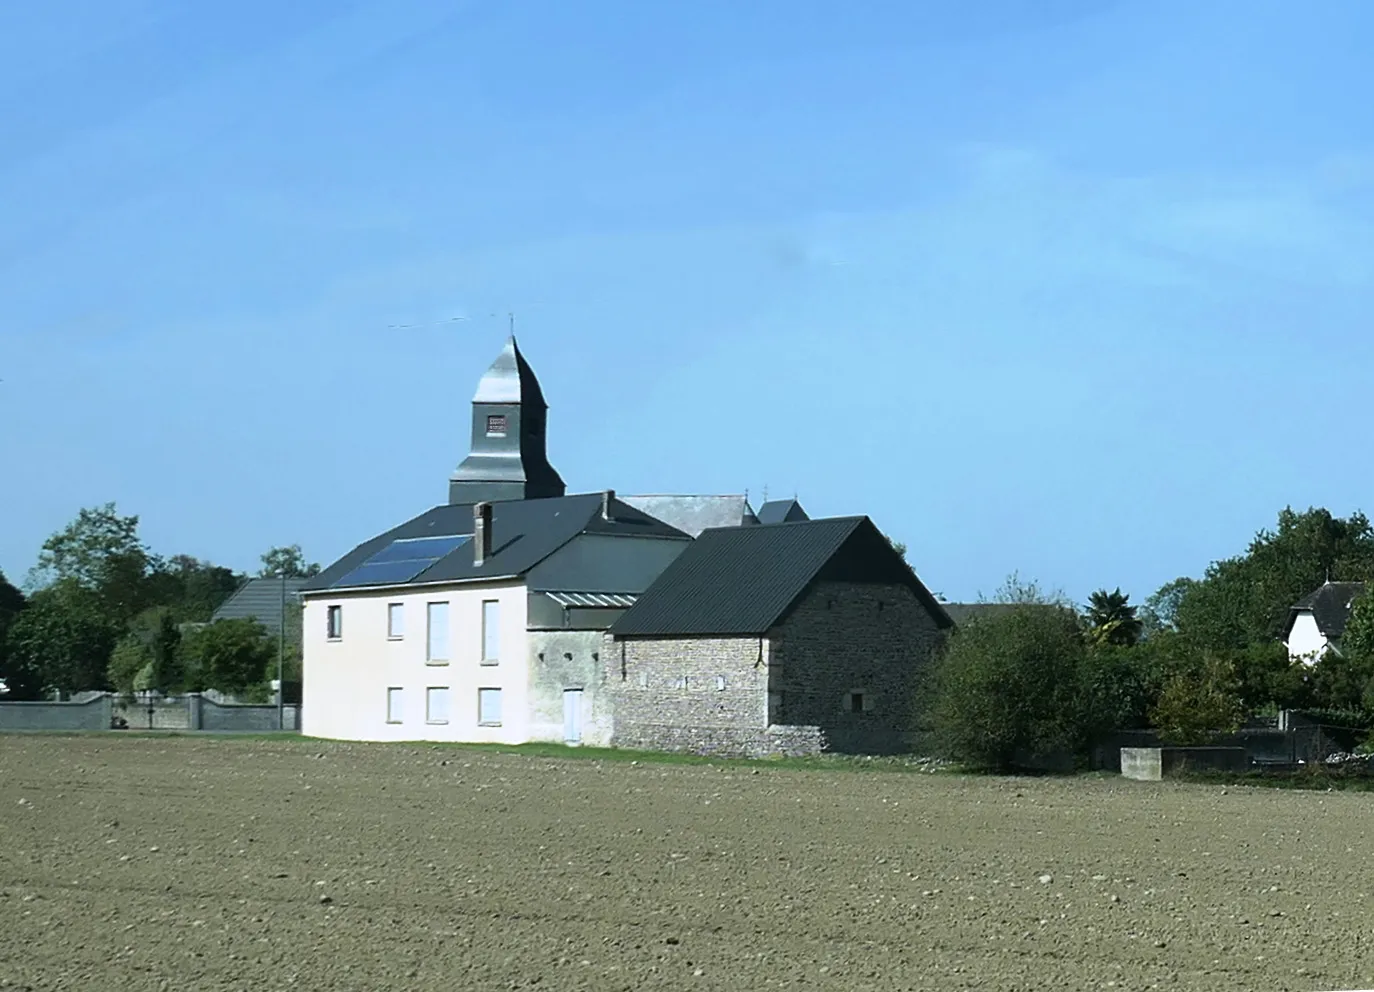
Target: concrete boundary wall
(85, 714)
(1153, 764)
(192, 712)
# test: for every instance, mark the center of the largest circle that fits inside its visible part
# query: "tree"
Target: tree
(1016, 591)
(1200, 705)
(99, 552)
(191, 588)
(231, 655)
(289, 562)
(1160, 614)
(1006, 689)
(149, 656)
(1246, 600)
(62, 640)
(1111, 620)
(11, 602)
(130, 665)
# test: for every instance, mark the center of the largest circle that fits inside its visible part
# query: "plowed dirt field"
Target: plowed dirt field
(206, 864)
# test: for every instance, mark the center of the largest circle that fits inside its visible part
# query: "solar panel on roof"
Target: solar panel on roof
(412, 549)
(401, 561)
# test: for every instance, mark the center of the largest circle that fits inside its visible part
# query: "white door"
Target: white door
(572, 716)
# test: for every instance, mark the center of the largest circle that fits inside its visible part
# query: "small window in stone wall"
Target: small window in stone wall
(857, 701)
(720, 683)
(681, 682)
(644, 680)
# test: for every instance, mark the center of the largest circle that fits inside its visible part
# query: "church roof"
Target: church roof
(738, 581)
(509, 380)
(436, 546)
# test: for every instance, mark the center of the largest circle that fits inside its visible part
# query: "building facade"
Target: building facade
(783, 638)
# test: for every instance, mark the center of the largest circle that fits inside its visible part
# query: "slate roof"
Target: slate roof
(260, 599)
(509, 380)
(743, 580)
(781, 511)
(1329, 606)
(694, 514)
(523, 533)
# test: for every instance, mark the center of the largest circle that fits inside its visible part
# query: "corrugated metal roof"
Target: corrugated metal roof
(694, 514)
(523, 533)
(737, 580)
(593, 599)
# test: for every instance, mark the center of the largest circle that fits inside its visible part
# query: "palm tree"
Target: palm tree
(1111, 620)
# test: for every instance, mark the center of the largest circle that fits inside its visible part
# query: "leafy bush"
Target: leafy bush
(1006, 688)
(1196, 707)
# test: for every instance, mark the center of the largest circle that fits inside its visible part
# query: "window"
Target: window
(681, 682)
(775, 707)
(489, 707)
(720, 683)
(491, 632)
(644, 680)
(393, 705)
(436, 704)
(496, 425)
(857, 701)
(335, 622)
(436, 634)
(395, 620)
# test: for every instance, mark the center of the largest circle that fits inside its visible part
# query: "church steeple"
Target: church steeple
(507, 459)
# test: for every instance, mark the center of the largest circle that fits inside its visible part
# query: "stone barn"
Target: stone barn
(775, 638)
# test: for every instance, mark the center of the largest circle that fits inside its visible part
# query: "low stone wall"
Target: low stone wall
(793, 741)
(1153, 764)
(86, 714)
(724, 742)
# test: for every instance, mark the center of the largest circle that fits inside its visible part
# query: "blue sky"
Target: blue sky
(1075, 288)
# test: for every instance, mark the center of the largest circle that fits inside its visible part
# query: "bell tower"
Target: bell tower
(506, 458)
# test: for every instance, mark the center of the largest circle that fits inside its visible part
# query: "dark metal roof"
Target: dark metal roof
(1329, 606)
(781, 511)
(523, 533)
(509, 380)
(260, 600)
(743, 580)
(694, 514)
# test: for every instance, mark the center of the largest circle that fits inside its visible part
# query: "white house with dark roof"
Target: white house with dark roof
(481, 619)
(1317, 621)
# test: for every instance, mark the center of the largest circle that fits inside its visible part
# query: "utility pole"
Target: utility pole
(281, 657)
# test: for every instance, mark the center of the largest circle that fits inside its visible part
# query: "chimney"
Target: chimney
(481, 533)
(606, 498)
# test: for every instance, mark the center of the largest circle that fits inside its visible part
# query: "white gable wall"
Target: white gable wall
(1306, 642)
(344, 695)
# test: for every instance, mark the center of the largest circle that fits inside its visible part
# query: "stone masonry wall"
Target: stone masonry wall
(853, 639)
(702, 695)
